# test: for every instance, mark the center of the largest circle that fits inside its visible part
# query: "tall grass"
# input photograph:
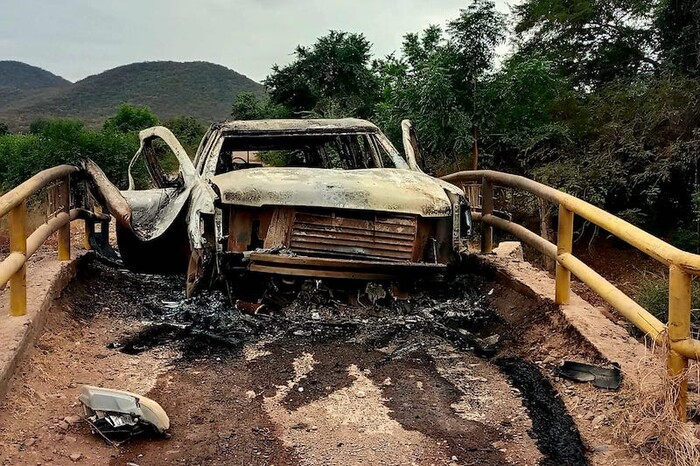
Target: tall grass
(652, 294)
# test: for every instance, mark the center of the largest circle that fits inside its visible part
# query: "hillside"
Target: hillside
(199, 89)
(19, 80)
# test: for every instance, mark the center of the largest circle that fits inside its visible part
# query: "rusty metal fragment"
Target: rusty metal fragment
(107, 194)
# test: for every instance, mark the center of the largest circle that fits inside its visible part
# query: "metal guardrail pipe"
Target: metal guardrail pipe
(635, 236)
(675, 334)
(10, 266)
(531, 239)
(689, 348)
(14, 262)
(611, 294)
(622, 303)
(16, 196)
(13, 269)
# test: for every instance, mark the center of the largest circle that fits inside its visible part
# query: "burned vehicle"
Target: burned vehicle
(310, 198)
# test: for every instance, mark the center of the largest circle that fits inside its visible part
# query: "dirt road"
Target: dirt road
(323, 384)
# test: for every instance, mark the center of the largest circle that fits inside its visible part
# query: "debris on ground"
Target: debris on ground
(376, 381)
(602, 377)
(118, 415)
(456, 311)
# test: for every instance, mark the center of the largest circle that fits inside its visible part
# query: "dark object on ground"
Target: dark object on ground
(104, 251)
(602, 377)
(553, 429)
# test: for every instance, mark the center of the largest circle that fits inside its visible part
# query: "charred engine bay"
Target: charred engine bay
(311, 312)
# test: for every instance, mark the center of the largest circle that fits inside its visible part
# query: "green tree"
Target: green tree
(594, 41)
(525, 114)
(336, 68)
(188, 130)
(131, 118)
(435, 81)
(247, 106)
(250, 106)
(678, 26)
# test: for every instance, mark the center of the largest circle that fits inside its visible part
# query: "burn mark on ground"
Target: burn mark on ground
(330, 372)
(420, 399)
(553, 429)
(222, 424)
(384, 340)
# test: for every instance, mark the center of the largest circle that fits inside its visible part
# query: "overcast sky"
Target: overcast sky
(78, 38)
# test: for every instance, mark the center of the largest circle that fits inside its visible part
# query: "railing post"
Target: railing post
(679, 293)
(486, 209)
(565, 237)
(18, 243)
(64, 231)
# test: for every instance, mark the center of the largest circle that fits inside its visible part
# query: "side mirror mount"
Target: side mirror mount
(410, 146)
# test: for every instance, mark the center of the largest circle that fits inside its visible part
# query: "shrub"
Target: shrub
(56, 142)
(652, 294)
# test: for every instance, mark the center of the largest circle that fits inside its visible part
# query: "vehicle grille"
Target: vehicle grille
(376, 237)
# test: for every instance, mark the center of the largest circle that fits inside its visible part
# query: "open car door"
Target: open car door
(411, 146)
(151, 223)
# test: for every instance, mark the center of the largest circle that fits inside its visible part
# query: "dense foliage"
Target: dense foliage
(55, 142)
(330, 77)
(130, 118)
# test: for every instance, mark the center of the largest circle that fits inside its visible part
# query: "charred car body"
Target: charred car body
(310, 198)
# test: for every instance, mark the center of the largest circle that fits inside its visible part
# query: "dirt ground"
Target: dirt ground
(271, 393)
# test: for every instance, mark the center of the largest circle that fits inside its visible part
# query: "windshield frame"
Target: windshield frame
(377, 142)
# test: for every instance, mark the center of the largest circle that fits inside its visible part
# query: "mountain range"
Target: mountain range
(202, 90)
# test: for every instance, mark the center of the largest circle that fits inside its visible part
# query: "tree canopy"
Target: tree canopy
(334, 73)
(131, 118)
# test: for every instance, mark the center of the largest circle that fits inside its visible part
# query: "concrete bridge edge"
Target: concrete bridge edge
(610, 340)
(46, 279)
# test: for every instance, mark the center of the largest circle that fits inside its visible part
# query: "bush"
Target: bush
(187, 130)
(686, 239)
(652, 295)
(131, 118)
(56, 142)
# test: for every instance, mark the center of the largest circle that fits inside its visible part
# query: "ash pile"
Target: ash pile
(360, 312)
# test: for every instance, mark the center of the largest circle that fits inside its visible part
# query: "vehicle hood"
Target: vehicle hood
(376, 189)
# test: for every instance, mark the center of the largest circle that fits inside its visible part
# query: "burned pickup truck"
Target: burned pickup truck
(308, 198)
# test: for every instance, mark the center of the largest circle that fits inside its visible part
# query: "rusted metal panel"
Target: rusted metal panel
(240, 230)
(387, 238)
(296, 126)
(383, 190)
(424, 230)
(340, 268)
(280, 228)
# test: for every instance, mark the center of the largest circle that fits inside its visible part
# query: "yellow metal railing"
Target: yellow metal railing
(675, 333)
(13, 269)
